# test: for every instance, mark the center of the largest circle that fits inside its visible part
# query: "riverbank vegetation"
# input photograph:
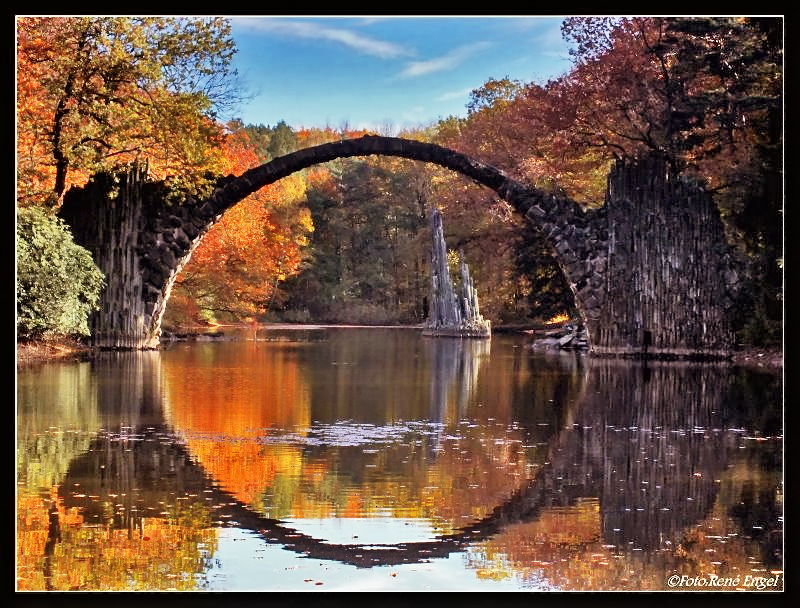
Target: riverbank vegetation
(348, 241)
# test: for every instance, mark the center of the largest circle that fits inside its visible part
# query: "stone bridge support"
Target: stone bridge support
(670, 277)
(650, 270)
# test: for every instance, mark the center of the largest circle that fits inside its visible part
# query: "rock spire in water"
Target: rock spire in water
(451, 313)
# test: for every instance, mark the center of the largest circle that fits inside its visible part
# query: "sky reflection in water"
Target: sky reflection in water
(524, 471)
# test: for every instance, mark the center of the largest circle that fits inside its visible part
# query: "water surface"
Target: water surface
(377, 459)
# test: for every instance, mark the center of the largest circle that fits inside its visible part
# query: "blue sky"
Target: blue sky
(384, 73)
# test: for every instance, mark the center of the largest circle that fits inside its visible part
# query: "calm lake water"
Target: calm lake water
(333, 459)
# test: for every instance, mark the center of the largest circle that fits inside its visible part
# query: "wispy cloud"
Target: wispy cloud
(454, 95)
(318, 31)
(446, 62)
(549, 42)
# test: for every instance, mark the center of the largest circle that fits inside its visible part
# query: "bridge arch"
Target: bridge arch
(668, 397)
(638, 291)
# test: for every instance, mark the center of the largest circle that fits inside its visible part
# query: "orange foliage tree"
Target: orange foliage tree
(234, 272)
(93, 92)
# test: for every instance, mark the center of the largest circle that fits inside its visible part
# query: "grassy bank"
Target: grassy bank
(62, 349)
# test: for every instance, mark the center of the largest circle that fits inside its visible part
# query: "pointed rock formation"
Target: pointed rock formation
(451, 314)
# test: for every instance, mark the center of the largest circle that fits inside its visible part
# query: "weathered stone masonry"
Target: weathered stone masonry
(650, 270)
(141, 243)
(671, 278)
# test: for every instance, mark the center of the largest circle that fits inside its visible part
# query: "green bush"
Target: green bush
(58, 283)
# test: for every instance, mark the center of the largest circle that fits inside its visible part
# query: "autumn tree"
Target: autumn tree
(94, 91)
(688, 87)
(707, 93)
(704, 92)
(731, 74)
(234, 273)
(517, 278)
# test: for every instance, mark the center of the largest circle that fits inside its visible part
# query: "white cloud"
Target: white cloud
(454, 94)
(445, 62)
(318, 31)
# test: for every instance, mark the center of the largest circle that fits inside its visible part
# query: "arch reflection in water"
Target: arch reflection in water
(530, 457)
(650, 441)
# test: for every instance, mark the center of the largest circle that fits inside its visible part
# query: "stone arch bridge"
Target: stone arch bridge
(650, 270)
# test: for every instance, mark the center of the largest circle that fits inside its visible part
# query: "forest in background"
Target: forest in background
(348, 241)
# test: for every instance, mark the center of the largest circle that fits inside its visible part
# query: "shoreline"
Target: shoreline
(767, 359)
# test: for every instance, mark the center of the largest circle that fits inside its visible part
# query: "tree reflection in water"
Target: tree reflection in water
(588, 474)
